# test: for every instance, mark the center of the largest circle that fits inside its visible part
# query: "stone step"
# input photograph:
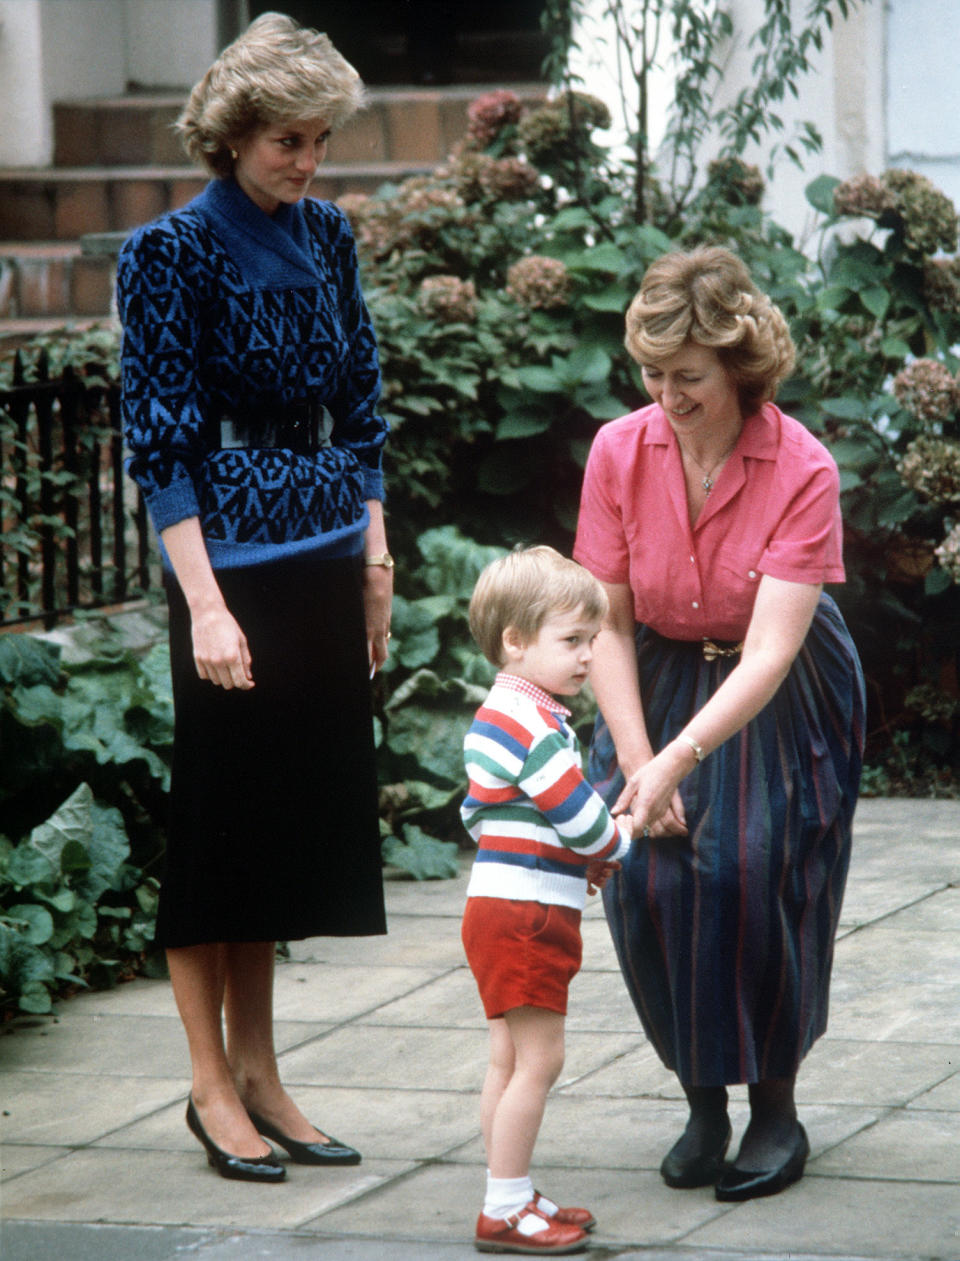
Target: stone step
(399, 125)
(52, 280)
(50, 204)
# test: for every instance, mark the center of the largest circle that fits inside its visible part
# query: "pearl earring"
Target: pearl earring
(234, 154)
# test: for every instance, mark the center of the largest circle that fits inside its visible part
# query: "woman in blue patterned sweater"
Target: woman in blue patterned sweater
(251, 381)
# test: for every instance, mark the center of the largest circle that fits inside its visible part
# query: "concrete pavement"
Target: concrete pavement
(383, 1043)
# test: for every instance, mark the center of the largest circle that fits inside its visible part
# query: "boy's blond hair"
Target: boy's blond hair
(522, 589)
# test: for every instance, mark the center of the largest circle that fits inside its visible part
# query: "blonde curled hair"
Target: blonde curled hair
(706, 296)
(522, 589)
(276, 71)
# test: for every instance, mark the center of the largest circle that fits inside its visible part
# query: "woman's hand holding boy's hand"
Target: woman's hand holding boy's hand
(652, 797)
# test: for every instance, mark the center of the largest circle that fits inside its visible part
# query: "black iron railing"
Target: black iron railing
(74, 529)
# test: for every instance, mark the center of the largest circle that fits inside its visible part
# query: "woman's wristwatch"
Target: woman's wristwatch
(382, 558)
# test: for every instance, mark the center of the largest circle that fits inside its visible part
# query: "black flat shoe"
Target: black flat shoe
(244, 1168)
(701, 1170)
(742, 1184)
(332, 1152)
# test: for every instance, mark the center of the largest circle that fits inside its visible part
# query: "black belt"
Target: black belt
(296, 428)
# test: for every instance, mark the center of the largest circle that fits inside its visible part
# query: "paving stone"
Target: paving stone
(383, 1041)
(829, 1216)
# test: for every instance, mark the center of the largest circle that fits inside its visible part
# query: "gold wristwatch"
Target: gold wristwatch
(383, 558)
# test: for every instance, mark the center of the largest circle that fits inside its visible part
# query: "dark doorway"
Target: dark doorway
(428, 41)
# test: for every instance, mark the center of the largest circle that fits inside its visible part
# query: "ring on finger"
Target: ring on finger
(645, 833)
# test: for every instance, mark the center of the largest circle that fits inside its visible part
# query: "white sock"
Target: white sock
(546, 1206)
(507, 1195)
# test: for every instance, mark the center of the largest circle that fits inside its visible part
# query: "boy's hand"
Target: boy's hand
(599, 871)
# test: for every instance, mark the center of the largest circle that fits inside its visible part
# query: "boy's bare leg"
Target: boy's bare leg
(537, 1039)
(499, 1071)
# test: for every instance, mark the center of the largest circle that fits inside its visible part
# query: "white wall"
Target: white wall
(841, 95)
(170, 43)
(844, 95)
(923, 91)
(25, 134)
(54, 50)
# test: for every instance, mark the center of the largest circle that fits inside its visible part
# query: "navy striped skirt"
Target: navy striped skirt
(725, 938)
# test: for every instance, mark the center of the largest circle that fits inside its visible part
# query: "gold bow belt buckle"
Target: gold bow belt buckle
(712, 651)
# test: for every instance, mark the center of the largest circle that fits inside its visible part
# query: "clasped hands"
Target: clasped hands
(652, 798)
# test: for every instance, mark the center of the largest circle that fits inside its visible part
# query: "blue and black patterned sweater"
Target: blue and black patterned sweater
(229, 311)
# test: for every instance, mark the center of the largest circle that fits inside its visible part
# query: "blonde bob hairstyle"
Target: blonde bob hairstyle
(275, 72)
(522, 589)
(706, 297)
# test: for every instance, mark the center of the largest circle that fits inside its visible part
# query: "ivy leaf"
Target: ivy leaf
(27, 660)
(34, 923)
(420, 855)
(83, 840)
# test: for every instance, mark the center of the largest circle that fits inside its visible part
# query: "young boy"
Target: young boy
(544, 835)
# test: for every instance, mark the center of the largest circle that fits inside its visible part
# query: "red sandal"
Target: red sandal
(553, 1238)
(581, 1217)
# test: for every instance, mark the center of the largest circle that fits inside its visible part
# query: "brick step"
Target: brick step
(50, 204)
(52, 280)
(399, 125)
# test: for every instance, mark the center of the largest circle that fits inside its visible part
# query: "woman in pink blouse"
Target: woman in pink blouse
(732, 711)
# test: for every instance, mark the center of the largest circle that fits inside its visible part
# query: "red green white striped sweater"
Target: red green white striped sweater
(536, 820)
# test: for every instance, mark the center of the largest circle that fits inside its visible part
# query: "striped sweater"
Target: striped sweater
(535, 818)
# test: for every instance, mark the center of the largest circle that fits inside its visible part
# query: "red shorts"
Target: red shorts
(522, 954)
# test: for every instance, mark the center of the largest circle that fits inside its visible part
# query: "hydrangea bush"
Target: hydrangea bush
(498, 286)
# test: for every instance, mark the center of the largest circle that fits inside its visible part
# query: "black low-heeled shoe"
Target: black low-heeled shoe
(333, 1152)
(245, 1168)
(744, 1184)
(701, 1170)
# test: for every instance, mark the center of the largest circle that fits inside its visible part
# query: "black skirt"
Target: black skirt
(274, 831)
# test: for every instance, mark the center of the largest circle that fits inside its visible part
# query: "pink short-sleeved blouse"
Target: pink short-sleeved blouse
(775, 509)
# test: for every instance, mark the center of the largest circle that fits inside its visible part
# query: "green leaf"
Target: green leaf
(613, 299)
(34, 923)
(522, 424)
(27, 867)
(820, 194)
(851, 453)
(27, 661)
(894, 348)
(420, 855)
(936, 581)
(876, 300)
(540, 379)
(35, 999)
(845, 408)
(589, 364)
(832, 298)
(86, 840)
(604, 257)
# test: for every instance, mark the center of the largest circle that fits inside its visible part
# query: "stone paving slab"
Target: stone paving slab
(384, 1042)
